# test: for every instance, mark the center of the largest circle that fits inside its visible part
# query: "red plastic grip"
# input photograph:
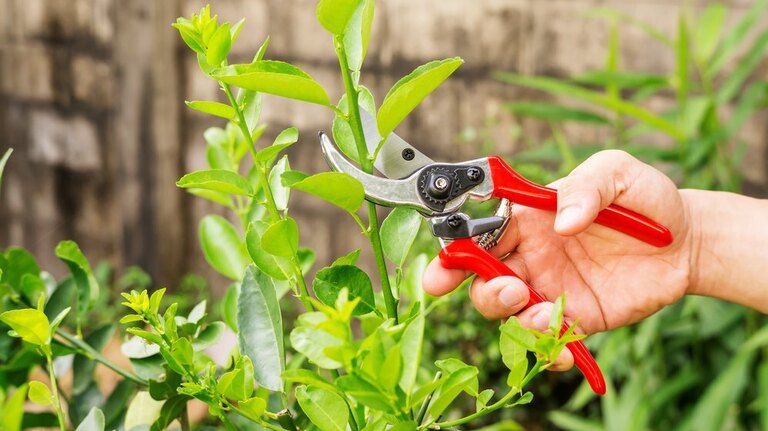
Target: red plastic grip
(510, 185)
(465, 254)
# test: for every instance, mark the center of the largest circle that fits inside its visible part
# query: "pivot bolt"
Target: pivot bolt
(473, 174)
(408, 154)
(441, 183)
(454, 220)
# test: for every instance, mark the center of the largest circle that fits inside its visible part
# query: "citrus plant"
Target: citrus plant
(353, 358)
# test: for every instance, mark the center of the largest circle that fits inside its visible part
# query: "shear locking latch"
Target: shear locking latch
(459, 225)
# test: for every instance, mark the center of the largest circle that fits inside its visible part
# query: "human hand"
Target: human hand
(610, 278)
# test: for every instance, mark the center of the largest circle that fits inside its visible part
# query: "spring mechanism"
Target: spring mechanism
(489, 240)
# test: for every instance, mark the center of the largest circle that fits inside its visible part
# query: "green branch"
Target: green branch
(92, 353)
(367, 165)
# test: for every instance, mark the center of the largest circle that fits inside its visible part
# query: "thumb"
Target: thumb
(591, 187)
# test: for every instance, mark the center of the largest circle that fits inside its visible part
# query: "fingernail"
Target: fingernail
(541, 321)
(510, 297)
(567, 217)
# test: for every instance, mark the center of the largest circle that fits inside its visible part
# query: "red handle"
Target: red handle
(510, 185)
(465, 254)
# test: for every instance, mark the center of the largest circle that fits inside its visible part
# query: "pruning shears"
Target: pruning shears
(438, 191)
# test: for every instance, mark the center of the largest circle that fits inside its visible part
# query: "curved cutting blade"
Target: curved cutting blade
(396, 158)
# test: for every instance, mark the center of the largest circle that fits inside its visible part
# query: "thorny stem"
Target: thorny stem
(537, 368)
(55, 391)
(367, 165)
(92, 353)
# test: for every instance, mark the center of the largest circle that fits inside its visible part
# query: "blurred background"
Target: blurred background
(92, 91)
(91, 100)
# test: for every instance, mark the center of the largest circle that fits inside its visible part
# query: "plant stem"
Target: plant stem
(367, 165)
(498, 404)
(303, 290)
(89, 351)
(55, 392)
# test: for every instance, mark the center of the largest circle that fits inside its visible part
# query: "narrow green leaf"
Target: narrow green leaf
(219, 45)
(219, 180)
(392, 369)
(213, 108)
(730, 45)
(558, 87)
(334, 15)
(708, 30)
(308, 377)
(621, 79)
(29, 324)
(681, 70)
(331, 280)
(39, 393)
(87, 287)
(281, 238)
(250, 104)
(189, 34)
(285, 139)
(222, 246)
(730, 88)
(274, 77)
(556, 113)
(260, 327)
(398, 232)
(409, 91)
(723, 393)
(348, 259)
(335, 187)
(365, 392)
(324, 408)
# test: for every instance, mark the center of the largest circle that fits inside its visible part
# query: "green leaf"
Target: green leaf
(253, 408)
(237, 384)
(453, 385)
(285, 139)
(708, 30)
(348, 259)
(411, 346)
(216, 109)
(17, 263)
(313, 342)
(398, 232)
(730, 88)
(551, 112)
(87, 287)
(557, 87)
(229, 307)
(307, 377)
(281, 238)
(142, 410)
(219, 180)
(391, 370)
(483, 398)
(261, 328)
(280, 193)
(13, 410)
(621, 79)
(335, 187)
(39, 393)
(572, 422)
(409, 91)
(556, 319)
(208, 336)
(94, 421)
(681, 69)
(274, 77)
(365, 393)
(250, 105)
(172, 408)
(334, 15)
(357, 34)
(189, 34)
(3, 161)
(324, 408)
(290, 178)
(331, 280)
(82, 366)
(222, 246)
(450, 366)
(29, 324)
(730, 45)
(723, 393)
(274, 266)
(219, 45)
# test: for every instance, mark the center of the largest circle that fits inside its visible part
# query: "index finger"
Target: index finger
(438, 281)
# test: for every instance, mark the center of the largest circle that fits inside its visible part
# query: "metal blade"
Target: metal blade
(396, 158)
